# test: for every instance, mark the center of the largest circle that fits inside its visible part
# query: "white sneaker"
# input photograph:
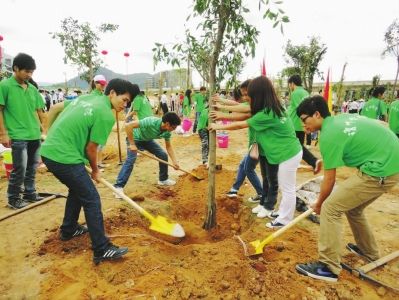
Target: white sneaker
(167, 182)
(263, 213)
(119, 189)
(257, 209)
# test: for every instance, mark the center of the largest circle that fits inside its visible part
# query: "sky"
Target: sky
(352, 30)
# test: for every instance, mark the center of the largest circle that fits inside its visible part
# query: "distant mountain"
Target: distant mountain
(76, 82)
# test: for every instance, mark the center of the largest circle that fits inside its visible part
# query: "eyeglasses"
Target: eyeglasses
(304, 119)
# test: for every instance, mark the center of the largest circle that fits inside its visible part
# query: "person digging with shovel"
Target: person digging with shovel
(71, 142)
(352, 141)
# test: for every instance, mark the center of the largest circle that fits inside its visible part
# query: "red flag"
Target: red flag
(327, 92)
(263, 68)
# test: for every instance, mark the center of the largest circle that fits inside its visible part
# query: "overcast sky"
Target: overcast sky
(352, 30)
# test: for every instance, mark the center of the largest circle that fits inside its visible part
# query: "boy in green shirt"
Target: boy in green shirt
(72, 141)
(199, 100)
(375, 107)
(140, 107)
(204, 134)
(345, 140)
(21, 115)
(141, 135)
(394, 117)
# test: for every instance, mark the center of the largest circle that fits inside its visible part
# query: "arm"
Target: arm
(53, 113)
(171, 154)
(91, 153)
(217, 115)
(232, 126)
(326, 188)
(43, 121)
(216, 98)
(4, 138)
(235, 108)
(129, 133)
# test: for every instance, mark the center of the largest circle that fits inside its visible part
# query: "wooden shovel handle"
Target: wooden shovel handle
(164, 162)
(379, 262)
(292, 223)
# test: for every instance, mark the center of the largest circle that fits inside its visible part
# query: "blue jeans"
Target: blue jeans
(270, 183)
(127, 168)
(25, 157)
(197, 115)
(82, 193)
(247, 169)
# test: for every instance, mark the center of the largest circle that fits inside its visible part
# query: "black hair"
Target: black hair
(188, 95)
(164, 92)
(264, 97)
(202, 88)
(236, 94)
(172, 118)
(295, 79)
(23, 62)
(379, 90)
(122, 86)
(245, 84)
(312, 104)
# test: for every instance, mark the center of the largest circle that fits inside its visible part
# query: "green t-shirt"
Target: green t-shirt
(297, 96)
(186, 107)
(96, 92)
(372, 106)
(142, 106)
(81, 122)
(20, 109)
(394, 116)
(275, 136)
(251, 133)
(203, 119)
(150, 128)
(355, 141)
(199, 100)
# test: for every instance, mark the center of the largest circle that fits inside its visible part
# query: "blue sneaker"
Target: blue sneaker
(317, 270)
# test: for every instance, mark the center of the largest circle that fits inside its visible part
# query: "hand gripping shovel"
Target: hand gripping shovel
(258, 245)
(158, 223)
(168, 163)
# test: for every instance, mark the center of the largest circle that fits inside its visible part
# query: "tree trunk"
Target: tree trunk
(188, 83)
(396, 81)
(210, 219)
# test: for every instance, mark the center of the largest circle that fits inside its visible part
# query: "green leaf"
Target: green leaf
(275, 24)
(285, 19)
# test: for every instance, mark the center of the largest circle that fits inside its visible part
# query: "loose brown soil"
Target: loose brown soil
(35, 264)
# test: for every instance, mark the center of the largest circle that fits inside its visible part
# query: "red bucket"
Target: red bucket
(8, 168)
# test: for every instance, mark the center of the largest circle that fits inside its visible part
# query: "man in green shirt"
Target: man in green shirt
(72, 141)
(298, 94)
(199, 100)
(140, 107)
(394, 116)
(21, 116)
(345, 140)
(141, 135)
(375, 107)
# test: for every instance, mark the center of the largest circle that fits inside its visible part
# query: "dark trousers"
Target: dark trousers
(270, 183)
(127, 168)
(307, 156)
(197, 115)
(25, 158)
(82, 193)
(204, 136)
(164, 107)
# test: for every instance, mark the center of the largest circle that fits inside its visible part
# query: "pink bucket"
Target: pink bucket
(225, 121)
(186, 124)
(223, 140)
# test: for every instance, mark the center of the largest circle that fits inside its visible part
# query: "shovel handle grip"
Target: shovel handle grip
(291, 224)
(379, 262)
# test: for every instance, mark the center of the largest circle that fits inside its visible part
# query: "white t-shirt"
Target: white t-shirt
(164, 99)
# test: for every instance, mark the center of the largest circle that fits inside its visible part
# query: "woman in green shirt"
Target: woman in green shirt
(277, 142)
(187, 104)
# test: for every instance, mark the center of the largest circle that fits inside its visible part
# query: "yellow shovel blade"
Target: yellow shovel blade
(258, 247)
(162, 225)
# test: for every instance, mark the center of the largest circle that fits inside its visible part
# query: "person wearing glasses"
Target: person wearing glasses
(345, 141)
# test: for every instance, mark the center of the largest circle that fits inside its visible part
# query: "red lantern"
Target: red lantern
(104, 52)
(1, 38)
(126, 54)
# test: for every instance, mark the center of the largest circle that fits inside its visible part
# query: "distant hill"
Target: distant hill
(76, 82)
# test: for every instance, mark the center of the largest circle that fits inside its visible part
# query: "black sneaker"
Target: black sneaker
(81, 229)
(17, 203)
(232, 194)
(355, 249)
(32, 197)
(273, 215)
(110, 253)
(317, 270)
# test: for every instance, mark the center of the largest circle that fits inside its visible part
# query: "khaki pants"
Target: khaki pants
(350, 197)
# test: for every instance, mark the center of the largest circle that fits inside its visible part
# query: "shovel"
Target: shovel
(258, 245)
(158, 223)
(168, 163)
